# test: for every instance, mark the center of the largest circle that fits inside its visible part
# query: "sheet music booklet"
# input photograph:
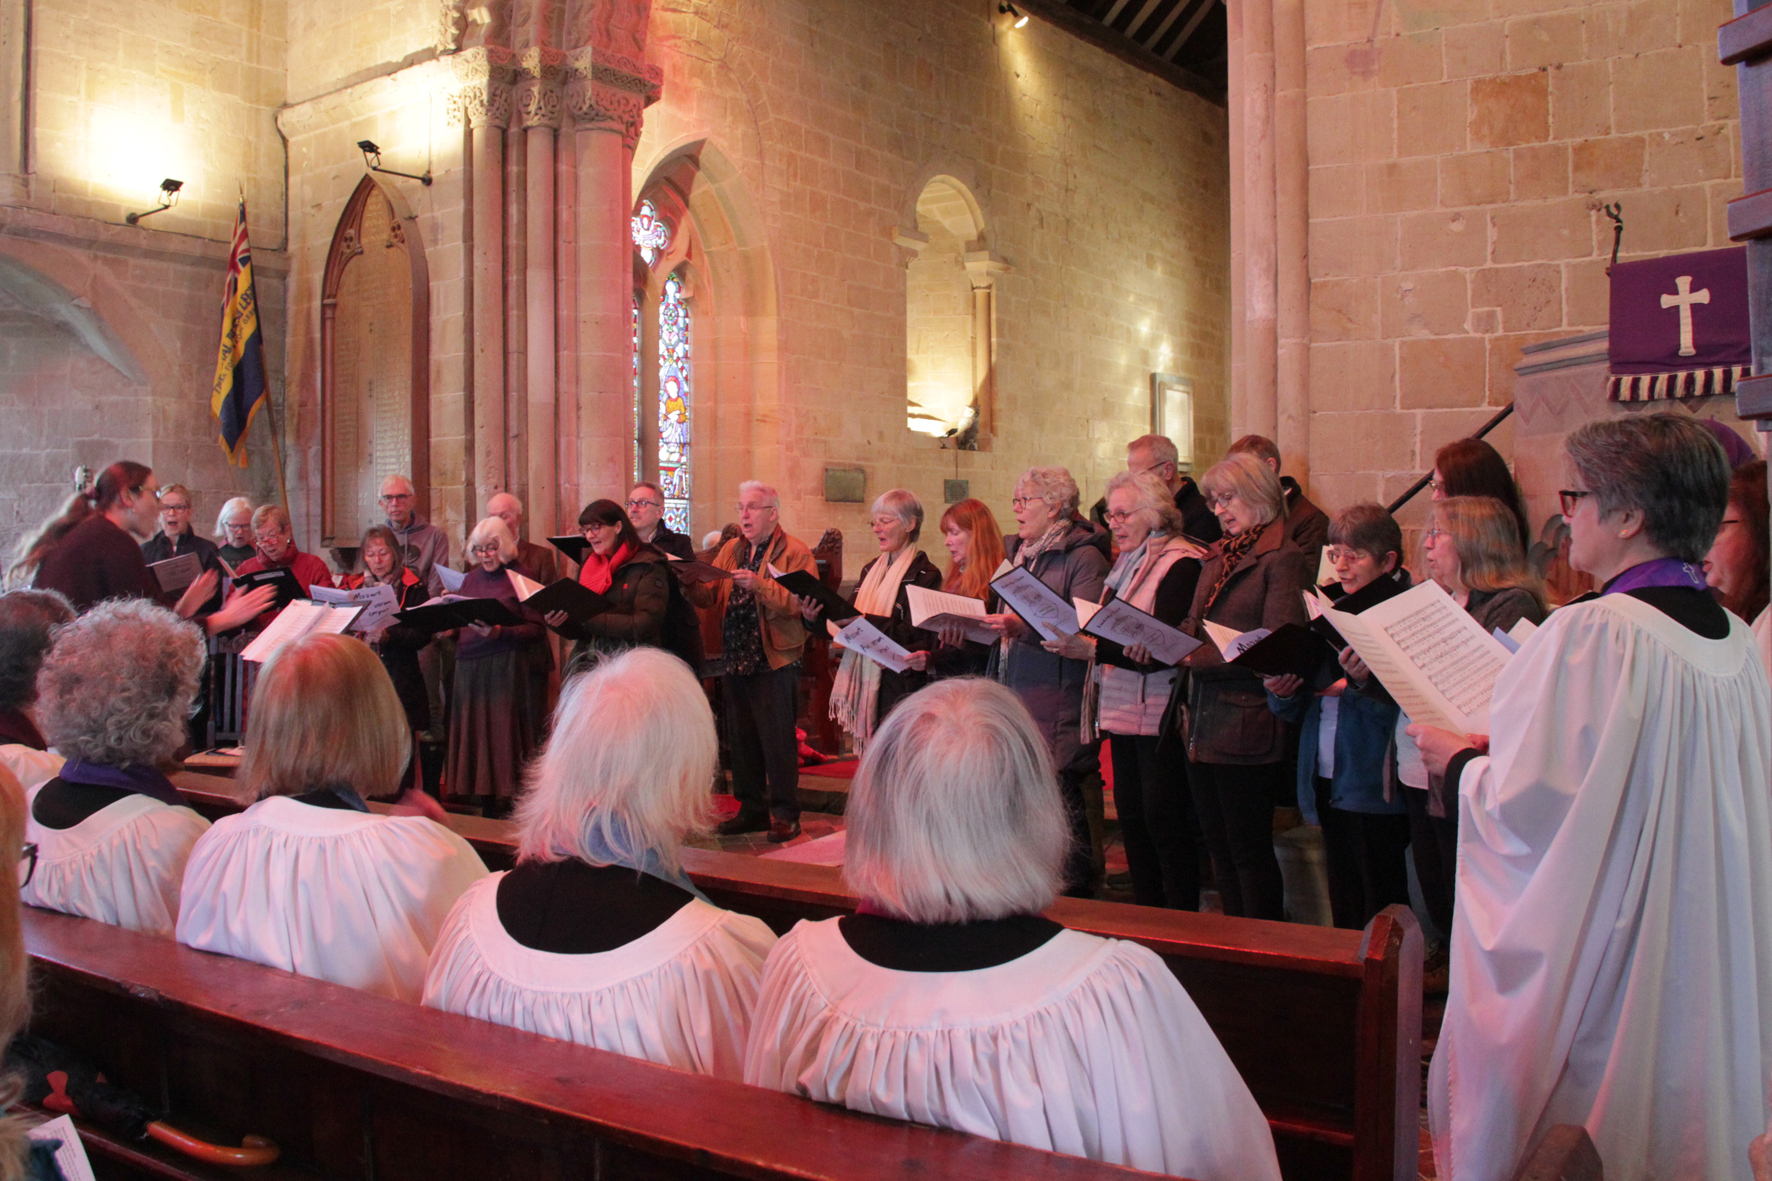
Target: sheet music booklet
(807, 586)
(379, 604)
(860, 633)
(450, 578)
(932, 610)
(573, 545)
(175, 574)
(295, 621)
(452, 611)
(1039, 605)
(1120, 624)
(692, 571)
(288, 589)
(1430, 654)
(579, 601)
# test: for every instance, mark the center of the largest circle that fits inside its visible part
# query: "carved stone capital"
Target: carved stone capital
(540, 74)
(983, 266)
(485, 78)
(609, 92)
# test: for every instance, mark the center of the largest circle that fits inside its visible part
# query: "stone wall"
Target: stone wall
(1459, 154)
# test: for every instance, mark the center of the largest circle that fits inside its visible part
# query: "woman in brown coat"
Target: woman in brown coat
(1252, 578)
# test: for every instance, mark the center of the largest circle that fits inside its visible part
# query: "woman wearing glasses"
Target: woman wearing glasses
(1612, 945)
(1253, 578)
(636, 579)
(497, 714)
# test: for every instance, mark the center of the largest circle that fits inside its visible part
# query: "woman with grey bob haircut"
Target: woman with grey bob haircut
(598, 936)
(112, 833)
(948, 974)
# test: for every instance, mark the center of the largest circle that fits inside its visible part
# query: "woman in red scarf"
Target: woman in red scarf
(636, 578)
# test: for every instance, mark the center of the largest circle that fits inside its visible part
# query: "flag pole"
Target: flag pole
(270, 406)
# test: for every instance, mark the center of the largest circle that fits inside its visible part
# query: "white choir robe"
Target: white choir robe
(1086, 1046)
(352, 897)
(33, 767)
(1762, 639)
(680, 995)
(122, 865)
(1612, 944)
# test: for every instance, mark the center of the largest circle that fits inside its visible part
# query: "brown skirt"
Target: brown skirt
(496, 723)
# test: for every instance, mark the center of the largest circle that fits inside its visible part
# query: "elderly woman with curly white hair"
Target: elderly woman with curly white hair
(598, 936)
(111, 833)
(948, 999)
(498, 711)
(1070, 556)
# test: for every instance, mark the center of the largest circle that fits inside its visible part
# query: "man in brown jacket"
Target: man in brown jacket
(762, 636)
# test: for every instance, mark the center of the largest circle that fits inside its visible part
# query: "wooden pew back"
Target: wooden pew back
(356, 1087)
(1324, 1025)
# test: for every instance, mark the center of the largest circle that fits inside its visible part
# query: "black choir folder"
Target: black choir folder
(573, 545)
(1289, 648)
(579, 601)
(453, 613)
(807, 586)
(288, 589)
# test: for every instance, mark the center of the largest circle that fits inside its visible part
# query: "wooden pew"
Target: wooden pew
(356, 1087)
(1325, 1025)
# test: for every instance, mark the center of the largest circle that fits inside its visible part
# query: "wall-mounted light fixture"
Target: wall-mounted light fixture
(372, 161)
(1021, 18)
(168, 198)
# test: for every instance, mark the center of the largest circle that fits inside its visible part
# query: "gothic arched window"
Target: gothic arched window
(674, 401)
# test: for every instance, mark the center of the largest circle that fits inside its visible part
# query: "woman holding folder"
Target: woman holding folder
(1156, 573)
(627, 572)
(496, 715)
(865, 691)
(398, 645)
(975, 550)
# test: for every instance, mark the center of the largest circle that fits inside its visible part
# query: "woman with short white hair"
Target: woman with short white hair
(233, 531)
(1156, 573)
(598, 936)
(948, 999)
(308, 879)
(1254, 577)
(111, 832)
(1067, 554)
(498, 711)
(865, 691)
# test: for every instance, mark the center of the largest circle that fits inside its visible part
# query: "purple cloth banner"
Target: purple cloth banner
(1679, 325)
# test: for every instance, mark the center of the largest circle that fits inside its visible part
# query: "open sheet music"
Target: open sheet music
(175, 574)
(450, 578)
(876, 645)
(1121, 623)
(1041, 606)
(1433, 658)
(295, 621)
(378, 602)
(933, 610)
(689, 570)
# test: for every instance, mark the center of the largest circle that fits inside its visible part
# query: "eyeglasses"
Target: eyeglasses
(1338, 555)
(1435, 485)
(483, 550)
(634, 504)
(1571, 499)
(174, 508)
(1118, 518)
(1024, 501)
(1223, 500)
(1431, 534)
(27, 864)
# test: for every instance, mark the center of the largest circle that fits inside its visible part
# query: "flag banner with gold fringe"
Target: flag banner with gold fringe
(239, 388)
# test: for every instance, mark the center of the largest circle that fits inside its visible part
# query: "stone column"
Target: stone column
(15, 57)
(539, 104)
(607, 95)
(1254, 313)
(982, 267)
(1292, 396)
(568, 498)
(483, 103)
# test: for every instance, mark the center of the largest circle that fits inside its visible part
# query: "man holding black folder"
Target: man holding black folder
(763, 637)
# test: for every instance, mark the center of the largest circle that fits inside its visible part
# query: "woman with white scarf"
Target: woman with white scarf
(864, 691)
(1156, 573)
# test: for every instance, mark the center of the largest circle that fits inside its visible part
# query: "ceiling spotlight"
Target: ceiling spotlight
(372, 161)
(1021, 18)
(168, 198)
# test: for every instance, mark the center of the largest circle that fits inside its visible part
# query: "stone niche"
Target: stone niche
(1560, 384)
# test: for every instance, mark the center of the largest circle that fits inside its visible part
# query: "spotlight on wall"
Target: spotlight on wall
(372, 161)
(168, 198)
(1021, 18)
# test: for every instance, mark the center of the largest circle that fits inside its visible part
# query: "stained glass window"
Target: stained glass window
(651, 235)
(639, 411)
(673, 402)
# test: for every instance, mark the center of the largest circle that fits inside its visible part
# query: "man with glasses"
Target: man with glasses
(763, 637)
(1156, 454)
(646, 510)
(423, 546)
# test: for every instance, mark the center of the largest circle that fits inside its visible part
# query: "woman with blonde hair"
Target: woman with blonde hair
(598, 936)
(1253, 577)
(949, 999)
(308, 879)
(498, 710)
(1156, 572)
(111, 832)
(975, 551)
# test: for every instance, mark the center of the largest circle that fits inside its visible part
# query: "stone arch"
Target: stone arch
(950, 383)
(737, 430)
(376, 358)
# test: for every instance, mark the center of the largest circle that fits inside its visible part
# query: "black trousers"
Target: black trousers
(1364, 852)
(760, 712)
(1151, 796)
(1435, 841)
(1235, 804)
